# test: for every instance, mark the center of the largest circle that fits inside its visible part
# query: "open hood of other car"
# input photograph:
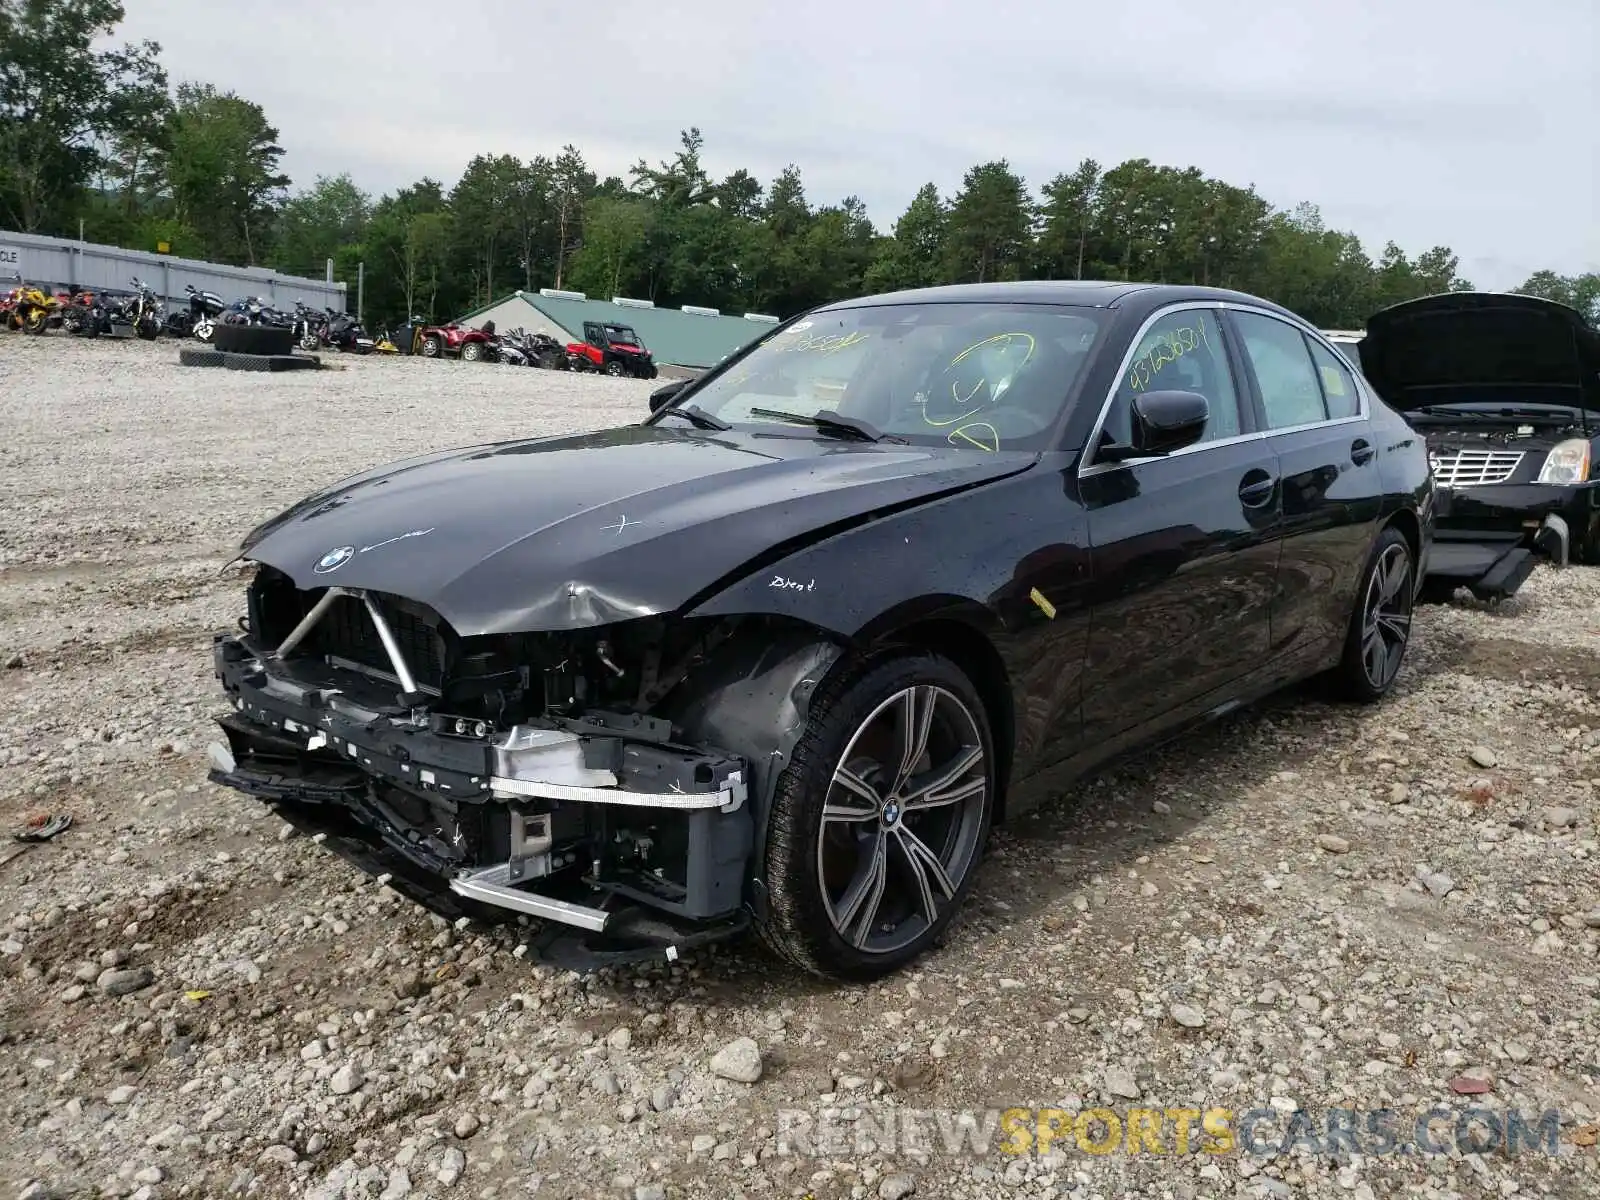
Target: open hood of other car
(585, 529)
(1482, 347)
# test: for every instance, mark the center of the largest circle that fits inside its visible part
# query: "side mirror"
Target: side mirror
(1162, 422)
(663, 394)
(1168, 421)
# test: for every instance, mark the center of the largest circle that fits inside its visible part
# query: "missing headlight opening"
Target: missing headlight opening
(528, 773)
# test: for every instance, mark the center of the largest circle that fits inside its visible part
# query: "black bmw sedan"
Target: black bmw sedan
(779, 656)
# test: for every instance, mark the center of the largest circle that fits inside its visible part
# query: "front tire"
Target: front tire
(880, 819)
(1380, 626)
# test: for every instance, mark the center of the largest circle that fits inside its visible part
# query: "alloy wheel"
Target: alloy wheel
(1386, 616)
(903, 819)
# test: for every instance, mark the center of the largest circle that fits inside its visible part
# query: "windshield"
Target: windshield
(981, 376)
(622, 335)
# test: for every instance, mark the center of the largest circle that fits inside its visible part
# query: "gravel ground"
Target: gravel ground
(1305, 907)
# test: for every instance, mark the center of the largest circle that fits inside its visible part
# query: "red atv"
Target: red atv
(454, 341)
(614, 349)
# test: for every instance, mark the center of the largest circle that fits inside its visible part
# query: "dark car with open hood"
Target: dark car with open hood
(1506, 390)
(780, 655)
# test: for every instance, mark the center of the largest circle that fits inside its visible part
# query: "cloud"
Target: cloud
(1425, 122)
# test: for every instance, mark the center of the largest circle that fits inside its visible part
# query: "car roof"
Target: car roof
(1083, 293)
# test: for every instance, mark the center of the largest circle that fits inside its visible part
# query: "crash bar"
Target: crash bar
(727, 799)
(402, 670)
(488, 886)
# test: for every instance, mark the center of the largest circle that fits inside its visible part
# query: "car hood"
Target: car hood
(585, 529)
(1482, 348)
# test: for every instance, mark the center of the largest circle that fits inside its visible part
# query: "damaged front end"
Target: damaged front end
(523, 774)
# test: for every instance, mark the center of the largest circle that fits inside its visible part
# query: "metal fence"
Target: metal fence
(61, 262)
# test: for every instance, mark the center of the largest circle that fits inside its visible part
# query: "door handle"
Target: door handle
(1361, 452)
(1256, 488)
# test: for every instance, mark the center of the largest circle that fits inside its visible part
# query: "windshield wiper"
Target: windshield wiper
(1497, 414)
(698, 417)
(827, 421)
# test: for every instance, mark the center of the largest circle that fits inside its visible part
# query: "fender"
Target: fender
(1009, 560)
(968, 552)
(753, 699)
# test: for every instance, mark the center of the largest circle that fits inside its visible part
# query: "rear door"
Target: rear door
(1313, 409)
(1184, 550)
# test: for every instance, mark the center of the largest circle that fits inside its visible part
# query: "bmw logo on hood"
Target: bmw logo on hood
(334, 559)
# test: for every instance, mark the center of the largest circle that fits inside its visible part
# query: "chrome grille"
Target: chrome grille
(1470, 468)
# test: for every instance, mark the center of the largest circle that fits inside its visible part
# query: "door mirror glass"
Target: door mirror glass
(665, 393)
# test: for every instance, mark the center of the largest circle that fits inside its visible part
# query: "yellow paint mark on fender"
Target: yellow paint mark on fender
(1045, 606)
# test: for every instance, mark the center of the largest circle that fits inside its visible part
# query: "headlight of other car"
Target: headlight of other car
(1567, 462)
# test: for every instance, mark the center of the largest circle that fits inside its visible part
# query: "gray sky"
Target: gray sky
(1473, 123)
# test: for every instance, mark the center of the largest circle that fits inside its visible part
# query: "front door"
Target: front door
(1184, 550)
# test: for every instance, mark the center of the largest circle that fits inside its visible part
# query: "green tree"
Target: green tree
(991, 225)
(615, 233)
(62, 102)
(408, 244)
(913, 256)
(319, 223)
(571, 185)
(484, 204)
(1581, 292)
(1067, 217)
(223, 172)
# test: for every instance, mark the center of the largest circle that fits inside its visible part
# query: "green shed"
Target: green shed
(690, 337)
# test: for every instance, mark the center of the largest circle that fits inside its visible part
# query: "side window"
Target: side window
(1183, 352)
(1338, 386)
(1290, 391)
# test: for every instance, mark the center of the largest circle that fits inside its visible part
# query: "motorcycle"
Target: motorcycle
(199, 319)
(543, 351)
(32, 308)
(345, 333)
(142, 310)
(310, 326)
(507, 351)
(254, 310)
(531, 347)
(84, 313)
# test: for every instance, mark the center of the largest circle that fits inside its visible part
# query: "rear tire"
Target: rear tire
(1380, 625)
(431, 347)
(472, 352)
(863, 873)
(615, 369)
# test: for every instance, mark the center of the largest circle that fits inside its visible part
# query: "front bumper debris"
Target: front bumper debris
(639, 843)
(1488, 539)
